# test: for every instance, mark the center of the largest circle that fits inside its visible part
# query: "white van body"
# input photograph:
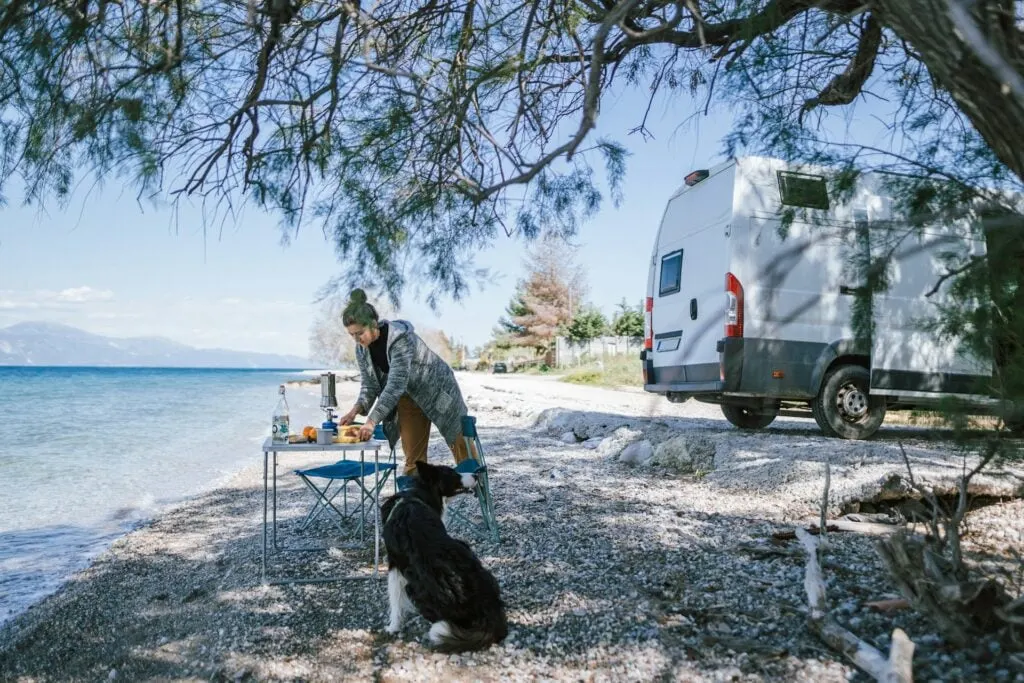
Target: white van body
(793, 288)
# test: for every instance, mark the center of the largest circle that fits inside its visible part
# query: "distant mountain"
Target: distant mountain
(42, 343)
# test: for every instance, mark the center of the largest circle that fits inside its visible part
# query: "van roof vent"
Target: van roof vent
(695, 177)
(803, 189)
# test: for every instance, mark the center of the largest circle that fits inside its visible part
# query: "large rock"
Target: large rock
(585, 425)
(478, 404)
(613, 444)
(555, 420)
(686, 454)
(638, 453)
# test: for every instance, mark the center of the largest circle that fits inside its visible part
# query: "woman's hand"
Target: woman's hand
(347, 418)
(366, 431)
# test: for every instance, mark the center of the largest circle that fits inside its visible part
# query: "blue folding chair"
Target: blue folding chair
(476, 464)
(369, 478)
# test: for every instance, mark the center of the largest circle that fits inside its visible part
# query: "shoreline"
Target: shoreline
(126, 528)
(119, 523)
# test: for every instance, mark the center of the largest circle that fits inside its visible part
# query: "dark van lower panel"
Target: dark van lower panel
(699, 377)
(790, 371)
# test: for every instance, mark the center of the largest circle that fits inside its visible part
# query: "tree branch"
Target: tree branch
(896, 669)
(972, 263)
(846, 86)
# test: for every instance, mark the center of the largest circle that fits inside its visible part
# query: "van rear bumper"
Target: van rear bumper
(686, 388)
(695, 378)
(747, 366)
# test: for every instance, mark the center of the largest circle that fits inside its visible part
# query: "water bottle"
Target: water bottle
(279, 423)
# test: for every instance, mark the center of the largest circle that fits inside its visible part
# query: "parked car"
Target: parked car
(500, 368)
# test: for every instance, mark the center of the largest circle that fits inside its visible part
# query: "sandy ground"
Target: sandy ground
(610, 572)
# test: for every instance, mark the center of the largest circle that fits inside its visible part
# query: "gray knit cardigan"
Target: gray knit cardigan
(414, 370)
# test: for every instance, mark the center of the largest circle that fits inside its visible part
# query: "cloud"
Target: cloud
(81, 295)
(11, 304)
(44, 298)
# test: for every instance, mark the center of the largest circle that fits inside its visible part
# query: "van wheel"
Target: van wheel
(843, 407)
(747, 418)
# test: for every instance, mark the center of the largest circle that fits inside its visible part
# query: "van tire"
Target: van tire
(843, 407)
(746, 418)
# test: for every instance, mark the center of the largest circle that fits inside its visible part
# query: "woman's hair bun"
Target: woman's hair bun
(358, 311)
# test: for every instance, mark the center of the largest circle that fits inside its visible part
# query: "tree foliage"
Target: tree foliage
(544, 302)
(413, 133)
(628, 321)
(507, 330)
(440, 343)
(587, 324)
(329, 342)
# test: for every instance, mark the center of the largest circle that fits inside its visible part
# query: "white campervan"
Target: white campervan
(754, 313)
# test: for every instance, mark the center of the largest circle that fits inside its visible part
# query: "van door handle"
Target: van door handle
(850, 291)
(693, 309)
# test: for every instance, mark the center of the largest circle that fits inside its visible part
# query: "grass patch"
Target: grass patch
(614, 371)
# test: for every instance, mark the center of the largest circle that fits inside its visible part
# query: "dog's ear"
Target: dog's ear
(426, 471)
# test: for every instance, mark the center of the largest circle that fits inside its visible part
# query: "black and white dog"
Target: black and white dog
(435, 574)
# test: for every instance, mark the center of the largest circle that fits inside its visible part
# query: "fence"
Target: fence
(569, 353)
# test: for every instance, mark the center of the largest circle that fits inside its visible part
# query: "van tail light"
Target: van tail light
(733, 307)
(649, 323)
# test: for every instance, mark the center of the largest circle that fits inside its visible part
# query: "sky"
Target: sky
(110, 265)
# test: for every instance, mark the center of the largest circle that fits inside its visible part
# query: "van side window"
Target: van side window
(803, 189)
(671, 273)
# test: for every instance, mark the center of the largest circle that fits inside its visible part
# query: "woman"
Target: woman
(405, 385)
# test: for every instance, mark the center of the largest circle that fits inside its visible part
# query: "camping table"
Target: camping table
(270, 501)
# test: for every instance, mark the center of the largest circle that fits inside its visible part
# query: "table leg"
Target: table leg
(362, 498)
(376, 512)
(263, 565)
(274, 475)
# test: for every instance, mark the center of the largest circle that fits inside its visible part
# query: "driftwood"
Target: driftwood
(871, 528)
(837, 525)
(897, 668)
(933, 575)
(762, 552)
(790, 534)
(962, 606)
(891, 605)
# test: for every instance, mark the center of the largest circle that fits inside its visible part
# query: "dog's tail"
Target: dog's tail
(448, 637)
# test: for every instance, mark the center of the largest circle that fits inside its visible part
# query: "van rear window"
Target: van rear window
(671, 273)
(803, 189)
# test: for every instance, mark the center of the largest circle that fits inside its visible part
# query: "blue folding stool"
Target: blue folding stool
(338, 476)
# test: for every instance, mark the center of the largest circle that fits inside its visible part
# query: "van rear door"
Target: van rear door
(687, 285)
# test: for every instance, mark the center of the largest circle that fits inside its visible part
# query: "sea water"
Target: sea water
(87, 454)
